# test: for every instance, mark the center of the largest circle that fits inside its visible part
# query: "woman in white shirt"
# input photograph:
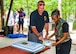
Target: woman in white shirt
(16, 19)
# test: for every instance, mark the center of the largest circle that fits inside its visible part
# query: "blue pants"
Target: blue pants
(64, 48)
(32, 37)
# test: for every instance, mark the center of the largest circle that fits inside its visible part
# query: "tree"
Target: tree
(67, 6)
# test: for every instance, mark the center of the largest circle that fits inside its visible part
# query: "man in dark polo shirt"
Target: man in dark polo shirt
(38, 19)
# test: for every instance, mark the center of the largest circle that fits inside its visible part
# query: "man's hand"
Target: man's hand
(46, 36)
(41, 38)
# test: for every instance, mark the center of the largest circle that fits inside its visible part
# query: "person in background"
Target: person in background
(16, 19)
(38, 19)
(21, 19)
(10, 23)
(63, 40)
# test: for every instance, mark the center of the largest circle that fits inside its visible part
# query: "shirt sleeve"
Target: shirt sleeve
(24, 14)
(65, 27)
(32, 20)
(47, 17)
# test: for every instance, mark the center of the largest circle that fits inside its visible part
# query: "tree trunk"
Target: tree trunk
(2, 14)
(9, 12)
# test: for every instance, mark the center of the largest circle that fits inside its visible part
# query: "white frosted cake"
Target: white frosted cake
(47, 43)
(29, 46)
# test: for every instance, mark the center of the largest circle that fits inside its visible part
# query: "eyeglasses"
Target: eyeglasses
(41, 4)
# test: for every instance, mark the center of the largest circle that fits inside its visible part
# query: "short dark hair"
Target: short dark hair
(41, 1)
(55, 12)
(21, 9)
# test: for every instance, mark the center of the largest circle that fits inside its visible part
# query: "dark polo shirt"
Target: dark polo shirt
(38, 20)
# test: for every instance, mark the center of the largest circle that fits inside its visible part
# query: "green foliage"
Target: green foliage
(74, 25)
(50, 5)
(68, 6)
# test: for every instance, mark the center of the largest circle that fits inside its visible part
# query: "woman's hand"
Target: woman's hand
(54, 44)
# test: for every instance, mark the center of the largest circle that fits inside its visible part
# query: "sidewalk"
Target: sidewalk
(73, 36)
